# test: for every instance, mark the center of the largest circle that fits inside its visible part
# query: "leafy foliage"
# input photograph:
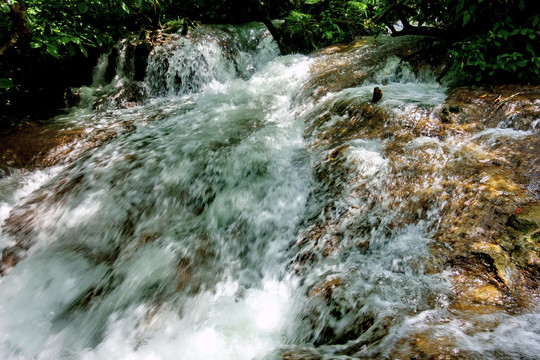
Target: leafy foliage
(317, 23)
(47, 45)
(487, 40)
(507, 51)
(65, 28)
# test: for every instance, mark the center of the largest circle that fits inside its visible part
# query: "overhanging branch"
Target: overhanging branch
(398, 11)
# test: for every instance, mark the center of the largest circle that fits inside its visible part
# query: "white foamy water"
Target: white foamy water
(16, 187)
(171, 241)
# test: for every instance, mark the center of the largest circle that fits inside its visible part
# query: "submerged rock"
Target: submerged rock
(377, 60)
(35, 146)
(460, 167)
(503, 106)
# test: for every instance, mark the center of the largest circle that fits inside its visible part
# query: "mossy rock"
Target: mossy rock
(521, 224)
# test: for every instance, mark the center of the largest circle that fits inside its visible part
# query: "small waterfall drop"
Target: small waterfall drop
(209, 54)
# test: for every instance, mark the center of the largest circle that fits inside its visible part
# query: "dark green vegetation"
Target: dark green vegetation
(47, 46)
(485, 40)
(317, 23)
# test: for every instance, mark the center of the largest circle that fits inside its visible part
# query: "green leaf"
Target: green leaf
(521, 5)
(6, 83)
(82, 7)
(124, 7)
(35, 45)
(72, 50)
(460, 6)
(53, 50)
(83, 50)
(466, 18)
(530, 49)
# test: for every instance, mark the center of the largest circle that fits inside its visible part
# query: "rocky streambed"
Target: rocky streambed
(419, 235)
(466, 165)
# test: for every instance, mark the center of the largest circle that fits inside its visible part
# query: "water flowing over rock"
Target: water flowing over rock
(250, 206)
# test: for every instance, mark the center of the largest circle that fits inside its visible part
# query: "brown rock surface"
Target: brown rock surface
(452, 162)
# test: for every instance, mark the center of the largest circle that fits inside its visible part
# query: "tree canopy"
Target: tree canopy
(486, 40)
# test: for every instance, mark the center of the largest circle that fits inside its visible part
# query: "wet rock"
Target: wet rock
(326, 288)
(477, 287)
(112, 65)
(131, 95)
(448, 165)
(349, 65)
(72, 98)
(505, 269)
(520, 224)
(506, 106)
(8, 261)
(184, 274)
(447, 111)
(431, 345)
(36, 146)
(424, 166)
(140, 59)
(301, 354)
(350, 119)
(377, 95)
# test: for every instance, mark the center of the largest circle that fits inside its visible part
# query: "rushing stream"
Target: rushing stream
(223, 222)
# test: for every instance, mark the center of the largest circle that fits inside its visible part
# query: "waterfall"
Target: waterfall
(176, 230)
(246, 207)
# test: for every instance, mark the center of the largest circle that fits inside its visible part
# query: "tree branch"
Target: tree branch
(264, 14)
(399, 11)
(420, 30)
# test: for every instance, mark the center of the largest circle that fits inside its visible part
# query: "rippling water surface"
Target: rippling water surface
(220, 228)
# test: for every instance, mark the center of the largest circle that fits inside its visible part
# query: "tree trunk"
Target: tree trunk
(264, 14)
(19, 31)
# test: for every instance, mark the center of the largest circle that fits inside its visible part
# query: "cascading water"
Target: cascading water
(239, 218)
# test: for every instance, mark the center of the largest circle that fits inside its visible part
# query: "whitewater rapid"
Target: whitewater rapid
(211, 229)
